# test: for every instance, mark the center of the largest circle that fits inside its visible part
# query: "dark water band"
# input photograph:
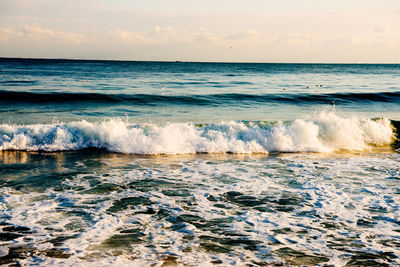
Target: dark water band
(197, 100)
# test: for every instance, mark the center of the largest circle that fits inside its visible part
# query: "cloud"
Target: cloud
(5, 34)
(249, 39)
(185, 43)
(128, 37)
(206, 36)
(168, 35)
(35, 32)
(244, 35)
(155, 37)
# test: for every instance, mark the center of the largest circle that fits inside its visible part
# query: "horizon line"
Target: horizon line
(185, 61)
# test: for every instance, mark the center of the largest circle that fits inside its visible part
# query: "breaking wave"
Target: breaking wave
(324, 132)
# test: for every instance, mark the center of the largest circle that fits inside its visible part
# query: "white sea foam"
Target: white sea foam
(324, 132)
(328, 203)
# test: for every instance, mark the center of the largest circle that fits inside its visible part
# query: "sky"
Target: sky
(326, 31)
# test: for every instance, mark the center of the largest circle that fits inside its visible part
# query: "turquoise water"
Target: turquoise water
(157, 164)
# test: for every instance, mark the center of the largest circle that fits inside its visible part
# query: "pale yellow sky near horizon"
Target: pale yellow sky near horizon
(234, 31)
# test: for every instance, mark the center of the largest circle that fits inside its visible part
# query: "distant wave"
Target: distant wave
(325, 132)
(18, 82)
(212, 99)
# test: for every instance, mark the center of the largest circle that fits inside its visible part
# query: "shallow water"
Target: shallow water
(301, 209)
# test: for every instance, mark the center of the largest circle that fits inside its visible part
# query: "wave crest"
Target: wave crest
(325, 132)
(198, 100)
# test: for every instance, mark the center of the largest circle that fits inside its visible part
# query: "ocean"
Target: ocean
(124, 163)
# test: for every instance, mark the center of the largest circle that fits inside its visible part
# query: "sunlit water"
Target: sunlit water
(169, 164)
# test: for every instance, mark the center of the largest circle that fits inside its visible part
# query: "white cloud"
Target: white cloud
(245, 35)
(167, 35)
(206, 36)
(35, 32)
(183, 43)
(5, 34)
(128, 37)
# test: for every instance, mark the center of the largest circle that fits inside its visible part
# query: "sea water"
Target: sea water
(198, 164)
